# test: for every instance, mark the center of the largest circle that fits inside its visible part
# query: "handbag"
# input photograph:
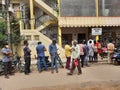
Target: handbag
(76, 62)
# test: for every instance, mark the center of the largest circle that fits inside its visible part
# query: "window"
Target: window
(109, 7)
(28, 37)
(78, 8)
(36, 37)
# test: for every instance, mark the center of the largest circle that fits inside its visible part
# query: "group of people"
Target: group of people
(41, 56)
(83, 52)
(80, 53)
(40, 49)
(41, 62)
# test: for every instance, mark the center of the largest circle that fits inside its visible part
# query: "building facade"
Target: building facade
(65, 20)
(79, 18)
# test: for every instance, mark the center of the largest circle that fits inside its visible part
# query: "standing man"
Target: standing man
(75, 58)
(68, 55)
(6, 52)
(86, 53)
(53, 54)
(41, 56)
(27, 57)
(82, 53)
(95, 48)
(110, 47)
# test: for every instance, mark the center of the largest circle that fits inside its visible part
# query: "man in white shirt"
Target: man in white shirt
(75, 58)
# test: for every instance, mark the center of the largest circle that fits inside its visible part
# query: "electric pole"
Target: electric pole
(8, 21)
(5, 6)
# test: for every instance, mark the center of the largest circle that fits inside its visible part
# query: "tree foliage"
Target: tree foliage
(3, 32)
(15, 32)
(15, 37)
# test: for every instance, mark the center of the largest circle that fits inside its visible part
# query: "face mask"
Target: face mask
(7, 46)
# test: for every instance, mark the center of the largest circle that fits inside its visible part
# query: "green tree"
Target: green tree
(15, 32)
(3, 32)
(15, 37)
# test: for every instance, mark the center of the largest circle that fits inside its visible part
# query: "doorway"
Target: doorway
(66, 37)
(81, 36)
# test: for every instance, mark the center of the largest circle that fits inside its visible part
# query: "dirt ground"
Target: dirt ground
(95, 77)
(83, 86)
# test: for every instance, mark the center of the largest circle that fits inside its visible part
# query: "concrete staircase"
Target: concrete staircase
(45, 41)
(47, 23)
(47, 9)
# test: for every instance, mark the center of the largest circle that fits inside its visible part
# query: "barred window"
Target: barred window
(78, 8)
(36, 37)
(28, 37)
(109, 7)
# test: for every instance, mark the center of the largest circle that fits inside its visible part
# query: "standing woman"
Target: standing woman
(68, 55)
(27, 57)
(91, 52)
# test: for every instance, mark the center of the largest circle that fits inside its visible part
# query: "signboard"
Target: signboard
(96, 31)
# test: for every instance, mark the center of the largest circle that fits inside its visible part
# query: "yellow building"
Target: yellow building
(42, 20)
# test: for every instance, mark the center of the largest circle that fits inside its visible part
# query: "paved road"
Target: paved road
(98, 72)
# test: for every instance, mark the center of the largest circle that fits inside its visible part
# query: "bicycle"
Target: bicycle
(60, 61)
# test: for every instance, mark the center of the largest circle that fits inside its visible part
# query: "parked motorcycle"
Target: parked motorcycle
(1, 67)
(16, 65)
(115, 57)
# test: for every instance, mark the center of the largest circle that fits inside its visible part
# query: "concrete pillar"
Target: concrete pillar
(97, 8)
(97, 14)
(59, 36)
(59, 29)
(19, 15)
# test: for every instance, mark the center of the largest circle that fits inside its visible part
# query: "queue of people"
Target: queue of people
(85, 52)
(80, 54)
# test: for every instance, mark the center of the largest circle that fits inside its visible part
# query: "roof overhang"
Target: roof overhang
(88, 21)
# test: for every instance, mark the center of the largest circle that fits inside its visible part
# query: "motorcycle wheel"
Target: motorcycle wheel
(21, 67)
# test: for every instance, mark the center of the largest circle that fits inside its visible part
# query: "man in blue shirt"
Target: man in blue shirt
(53, 54)
(41, 56)
(27, 57)
(6, 52)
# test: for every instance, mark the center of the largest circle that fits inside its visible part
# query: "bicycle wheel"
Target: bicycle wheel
(60, 62)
